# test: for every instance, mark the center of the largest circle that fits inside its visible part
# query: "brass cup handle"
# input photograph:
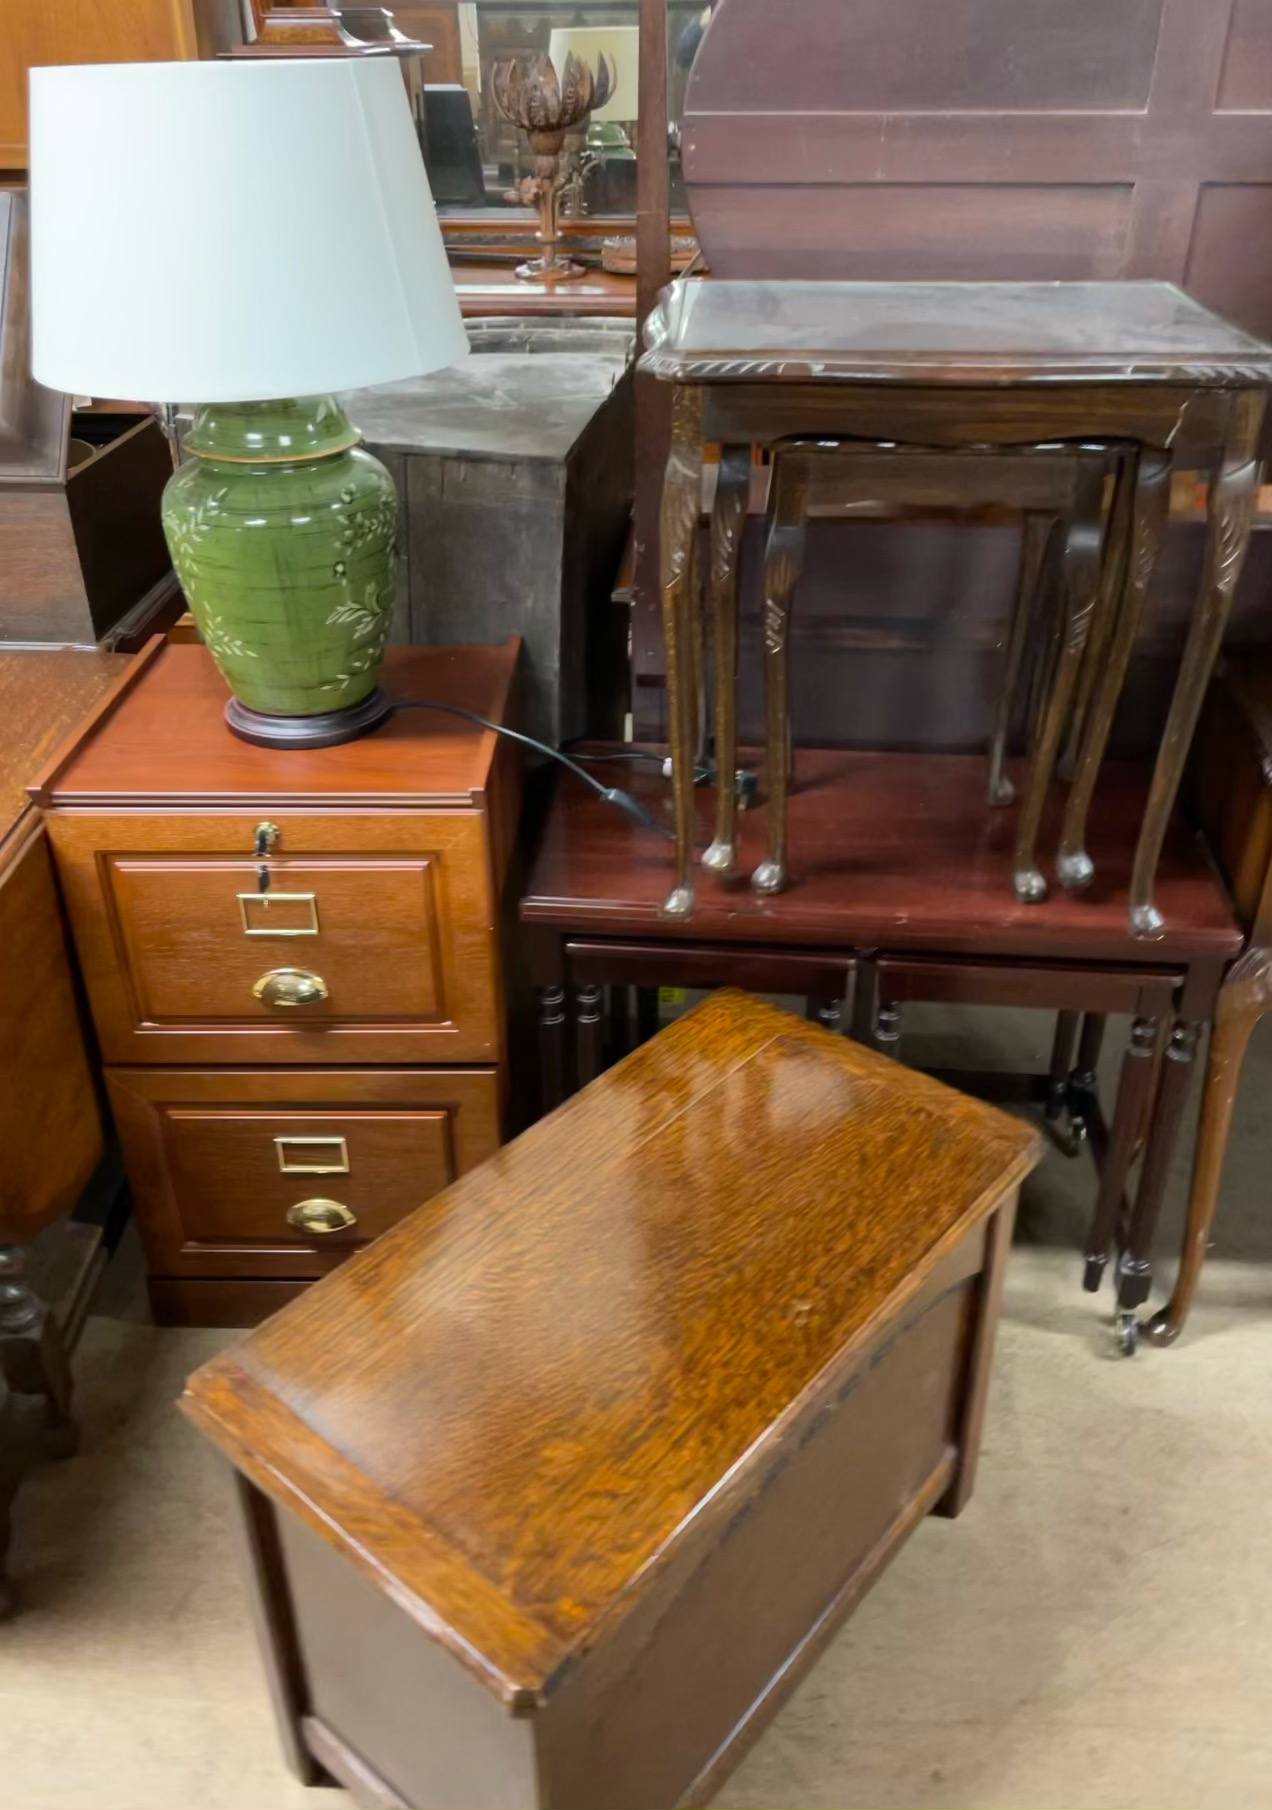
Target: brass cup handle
(290, 987)
(319, 1218)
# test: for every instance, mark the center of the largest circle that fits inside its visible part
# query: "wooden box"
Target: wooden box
(553, 1494)
(81, 542)
(514, 476)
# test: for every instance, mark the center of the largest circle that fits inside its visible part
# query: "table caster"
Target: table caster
(1127, 1332)
(1069, 1139)
(61, 1441)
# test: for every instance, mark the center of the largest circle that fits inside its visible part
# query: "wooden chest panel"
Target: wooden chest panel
(174, 935)
(218, 1158)
(765, 1593)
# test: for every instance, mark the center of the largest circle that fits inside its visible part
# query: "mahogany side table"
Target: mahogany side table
(959, 365)
(903, 893)
(553, 1495)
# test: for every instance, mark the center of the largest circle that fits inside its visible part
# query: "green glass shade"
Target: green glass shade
(282, 532)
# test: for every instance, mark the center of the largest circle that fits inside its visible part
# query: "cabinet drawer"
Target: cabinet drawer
(272, 1173)
(374, 939)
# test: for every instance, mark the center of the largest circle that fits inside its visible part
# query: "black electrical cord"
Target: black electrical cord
(622, 801)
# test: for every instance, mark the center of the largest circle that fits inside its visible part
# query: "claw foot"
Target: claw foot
(769, 876)
(1160, 1329)
(1147, 921)
(1074, 869)
(678, 903)
(721, 859)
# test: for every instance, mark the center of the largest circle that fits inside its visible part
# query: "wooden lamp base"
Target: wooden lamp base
(325, 730)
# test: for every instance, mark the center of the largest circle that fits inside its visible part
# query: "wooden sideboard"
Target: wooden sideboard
(292, 961)
(87, 31)
(50, 1118)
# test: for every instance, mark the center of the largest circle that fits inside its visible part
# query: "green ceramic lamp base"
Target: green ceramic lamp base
(282, 532)
(326, 729)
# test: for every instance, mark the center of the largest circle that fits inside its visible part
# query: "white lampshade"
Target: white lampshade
(620, 46)
(233, 231)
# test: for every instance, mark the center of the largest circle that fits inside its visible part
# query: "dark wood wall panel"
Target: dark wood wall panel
(1064, 140)
(1228, 214)
(1247, 66)
(1019, 231)
(933, 54)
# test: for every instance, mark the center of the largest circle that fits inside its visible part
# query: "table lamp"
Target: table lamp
(250, 237)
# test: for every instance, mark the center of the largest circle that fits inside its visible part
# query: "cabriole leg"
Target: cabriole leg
(1227, 540)
(728, 518)
(1034, 534)
(678, 530)
(1113, 574)
(783, 562)
(1132, 1092)
(1083, 541)
(1074, 866)
(1245, 997)
(1135, 1263)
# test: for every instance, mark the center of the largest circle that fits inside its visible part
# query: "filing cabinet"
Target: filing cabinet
(293, 964)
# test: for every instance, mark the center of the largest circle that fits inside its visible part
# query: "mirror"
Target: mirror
(479, 163)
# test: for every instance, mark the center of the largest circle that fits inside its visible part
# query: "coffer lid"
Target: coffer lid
(511, 1409)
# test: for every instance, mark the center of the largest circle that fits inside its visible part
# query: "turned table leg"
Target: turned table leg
(33, 1361)
(1132, 1092)
(588, 1005)
(678, 532)
(33, 1356)
(1151, 504)
(552, 1045)
(1063, 1051)
(886, 1031)
(1135, 1263)
(1058, 1107)
(1082, 561)
(646, 1013)
(1245, 997)
(728, 518)
(1228, 536)
(1034, 535)
(783, 562)
(827, 1011)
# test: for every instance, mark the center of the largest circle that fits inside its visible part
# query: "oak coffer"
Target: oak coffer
(553, 1493)
(293, 962)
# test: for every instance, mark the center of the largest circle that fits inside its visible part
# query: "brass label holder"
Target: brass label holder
(252, 903)
(336, 1164)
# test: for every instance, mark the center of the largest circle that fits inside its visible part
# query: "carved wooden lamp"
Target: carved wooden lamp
(309, 261)
(547, 107)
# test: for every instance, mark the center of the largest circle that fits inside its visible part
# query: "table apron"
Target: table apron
(1190, 420)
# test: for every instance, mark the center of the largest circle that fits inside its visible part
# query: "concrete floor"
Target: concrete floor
(1095, 1630)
